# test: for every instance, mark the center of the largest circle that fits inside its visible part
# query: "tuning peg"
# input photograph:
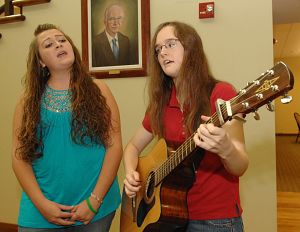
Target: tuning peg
(256, 82)
(259, 96)
(274, 88)
(271, 72)
(256, 115)
(242, 91)
(270, 107)
(286, 99)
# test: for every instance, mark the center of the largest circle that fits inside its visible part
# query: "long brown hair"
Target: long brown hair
(91, 117)
(194, 83)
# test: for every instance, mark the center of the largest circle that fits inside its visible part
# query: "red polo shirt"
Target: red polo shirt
(215, 193)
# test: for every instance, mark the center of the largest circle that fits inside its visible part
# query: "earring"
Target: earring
(44, 72)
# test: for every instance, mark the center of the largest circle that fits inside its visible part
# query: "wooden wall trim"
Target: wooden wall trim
(287, 134)
(6, 227)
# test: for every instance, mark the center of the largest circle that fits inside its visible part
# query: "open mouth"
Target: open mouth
(166, 62)
(62, 53)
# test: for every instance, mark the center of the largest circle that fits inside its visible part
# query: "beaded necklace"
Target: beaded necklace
(57, 100)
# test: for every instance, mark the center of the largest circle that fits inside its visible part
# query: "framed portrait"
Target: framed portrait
(115, 37)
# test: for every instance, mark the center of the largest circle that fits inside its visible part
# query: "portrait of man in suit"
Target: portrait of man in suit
(111, 47)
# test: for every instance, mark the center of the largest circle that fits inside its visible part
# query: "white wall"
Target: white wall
(238, 45)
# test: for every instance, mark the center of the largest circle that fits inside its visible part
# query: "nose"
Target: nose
(58, 44)
(163, 49)
(116, 23)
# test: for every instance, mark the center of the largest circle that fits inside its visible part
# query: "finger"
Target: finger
(86, 222)
(65, 207)
(65, 214)
(75, 208)
(136, 176)
(74, 216)
(213, 130)
(208, 131)
(205, 118)
(202, 131)
(199, 141)
(133, 183)
(197, 138)
(64, 222)
(203, 139)
(130, 182)
(130, 187)
(129, 193)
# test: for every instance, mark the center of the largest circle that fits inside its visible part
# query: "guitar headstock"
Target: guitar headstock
(273, 83)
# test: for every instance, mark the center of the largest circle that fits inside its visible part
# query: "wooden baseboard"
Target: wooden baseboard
(6, 227)
(286, 134)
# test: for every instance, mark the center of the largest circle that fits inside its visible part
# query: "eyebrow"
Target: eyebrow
(59, 35)
(166, 40)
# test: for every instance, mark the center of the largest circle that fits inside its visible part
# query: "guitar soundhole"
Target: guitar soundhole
(150, 185)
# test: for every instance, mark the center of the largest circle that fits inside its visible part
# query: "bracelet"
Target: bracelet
(96, 198)
(90, 206)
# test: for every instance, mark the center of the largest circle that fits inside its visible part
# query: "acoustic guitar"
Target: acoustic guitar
(161, 203)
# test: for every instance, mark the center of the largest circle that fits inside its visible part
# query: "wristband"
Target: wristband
(90, 206)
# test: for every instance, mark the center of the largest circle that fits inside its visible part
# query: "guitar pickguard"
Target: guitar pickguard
(143, 210)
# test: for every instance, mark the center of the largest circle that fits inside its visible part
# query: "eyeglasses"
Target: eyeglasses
(169, 44)
(116, 19)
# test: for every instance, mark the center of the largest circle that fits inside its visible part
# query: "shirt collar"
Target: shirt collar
(173, 100)
(110, 38)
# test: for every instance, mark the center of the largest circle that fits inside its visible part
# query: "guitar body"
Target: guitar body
(166, 208)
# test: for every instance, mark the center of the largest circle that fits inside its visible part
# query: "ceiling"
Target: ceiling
(286, 28)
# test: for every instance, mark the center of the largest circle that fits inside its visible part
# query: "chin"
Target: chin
(172, 75)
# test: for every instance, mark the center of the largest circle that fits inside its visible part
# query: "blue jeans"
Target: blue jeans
(218, 225)
(101, 225)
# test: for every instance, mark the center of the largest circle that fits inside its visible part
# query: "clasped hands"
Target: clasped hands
(67, 215)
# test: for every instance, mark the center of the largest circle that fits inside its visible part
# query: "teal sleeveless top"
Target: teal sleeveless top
(67, 172)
